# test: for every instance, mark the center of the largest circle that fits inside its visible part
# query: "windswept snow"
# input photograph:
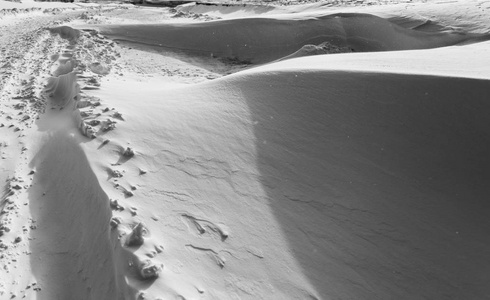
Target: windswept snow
(146, 154)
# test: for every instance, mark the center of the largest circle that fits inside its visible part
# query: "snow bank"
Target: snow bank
(260, 40)
(66, 32)
(336, 176)
(374, 182)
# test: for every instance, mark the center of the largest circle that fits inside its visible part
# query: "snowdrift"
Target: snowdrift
(260, 40)
(349, 176)
(378, 181)
(66, 32)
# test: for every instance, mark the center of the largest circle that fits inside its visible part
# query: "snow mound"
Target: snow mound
(368, 176)
(66, 32)
(260, 40)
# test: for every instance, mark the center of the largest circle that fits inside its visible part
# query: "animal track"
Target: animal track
(74, 64)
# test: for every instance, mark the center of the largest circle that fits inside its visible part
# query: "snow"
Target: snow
(136, 170)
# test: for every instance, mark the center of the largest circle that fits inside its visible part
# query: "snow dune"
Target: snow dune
(260, 40)
(348, 176)
(377, 180)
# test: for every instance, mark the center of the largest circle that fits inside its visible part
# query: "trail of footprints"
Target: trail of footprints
(88, 48)
(21, 62)
(91, 56)
(26, 93)
(84, 59)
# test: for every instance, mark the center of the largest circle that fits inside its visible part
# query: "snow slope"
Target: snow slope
(346, 176)
(260, 40)
(376, 181)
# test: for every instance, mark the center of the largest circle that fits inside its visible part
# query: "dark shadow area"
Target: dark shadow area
(5, 191)
(72, 254)
(379, 181)
(102, 144)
